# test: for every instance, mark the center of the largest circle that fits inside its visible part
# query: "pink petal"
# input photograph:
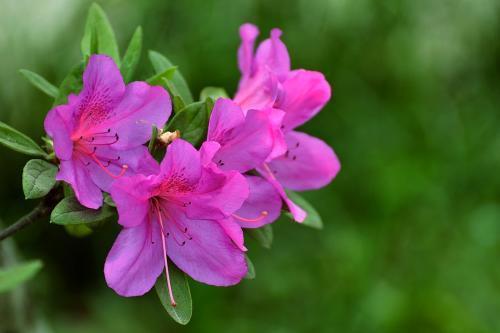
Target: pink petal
(248, 34)
(234, 231)
(75, 173)
(263, 198)
(103, 87)
(58, 125)
(131, 196)
(258, 91)
(245, 142)
(141, 108)
(297, 212)
(272, 54)
(225, 116)
(309, 163)
(137, 160)
(210, 256)
(218, 194)
(276, 120)
(182, 161)
(207, 152)
(304, 95)
(135, 260)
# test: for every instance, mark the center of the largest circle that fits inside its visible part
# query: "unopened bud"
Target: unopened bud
(167, 137)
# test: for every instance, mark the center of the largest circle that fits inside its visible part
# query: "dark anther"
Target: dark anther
(183, 243)
(185, 229)
(294, 157)
(190, 238)
(297, 145)
(287, 153)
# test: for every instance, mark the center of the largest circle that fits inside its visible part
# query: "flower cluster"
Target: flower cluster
(190, 208)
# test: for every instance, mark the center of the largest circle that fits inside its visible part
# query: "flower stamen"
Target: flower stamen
(262, 215)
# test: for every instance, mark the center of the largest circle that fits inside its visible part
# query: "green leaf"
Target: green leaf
(99, 37)
(71, 84)
(251, 269)
(178, 103)
(13, 276)
(70, 211)
(313, 218)
(108, 200)
(158, 79)
(213, 92)
(192, 122)
(183, 310)
(40, 82)
(178, 83)
(132, 55)
(39, 177)
(154, 135)
(263, 235)
(78, 230)
(15, 140)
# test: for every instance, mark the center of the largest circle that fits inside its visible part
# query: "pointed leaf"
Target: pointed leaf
(183, 310)
(13, 276)
(40, 82)
(161, 63)
(99, 36)
(39, 177)
(159, 78)
(213, 92)
(192, 122)
(71, 84)
(313, 218)
(251, 269)
(263, 235)
(132, 55)
(15, 140)
(70, 211)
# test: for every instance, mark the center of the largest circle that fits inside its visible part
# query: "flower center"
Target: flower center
(89, 143)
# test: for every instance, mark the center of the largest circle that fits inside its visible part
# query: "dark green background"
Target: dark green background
(412, 223)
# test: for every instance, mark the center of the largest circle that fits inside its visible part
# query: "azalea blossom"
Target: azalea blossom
(268, 82)
(247, 140)
(99, 134)
(183, 214)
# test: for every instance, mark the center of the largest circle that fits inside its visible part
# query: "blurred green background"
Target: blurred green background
(412, 223)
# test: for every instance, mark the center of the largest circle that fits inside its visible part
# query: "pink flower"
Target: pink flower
(181, 213)
(247, 140)
(268, 82)
(99, 135)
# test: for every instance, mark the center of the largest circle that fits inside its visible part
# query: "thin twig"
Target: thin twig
(42, 210)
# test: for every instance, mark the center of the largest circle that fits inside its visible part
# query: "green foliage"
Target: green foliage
(40, 82)
(69, 211)
(39, 177)
(263, 235)
(313, 218)
(192, 122)
(183, 310)
(177, 86)
(13, 276)
(251, 269)
(213, 93)
(160, 78)
(99, 37)
(132, 55)
(15, 140)
(72, 83)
